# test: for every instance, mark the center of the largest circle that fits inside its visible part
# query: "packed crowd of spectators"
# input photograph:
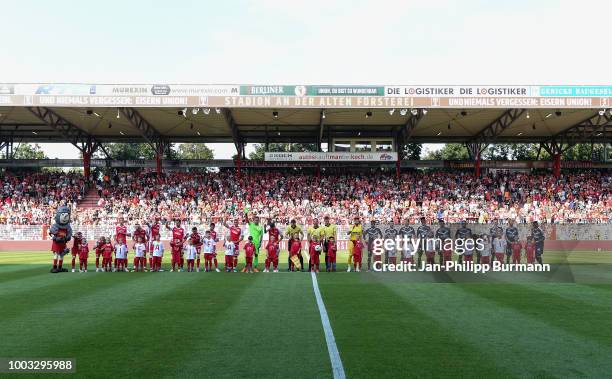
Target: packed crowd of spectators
(199, 198)
(28, 199)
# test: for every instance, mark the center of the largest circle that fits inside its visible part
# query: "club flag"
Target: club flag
(296, 262)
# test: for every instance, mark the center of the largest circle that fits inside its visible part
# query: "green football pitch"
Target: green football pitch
(555, 324)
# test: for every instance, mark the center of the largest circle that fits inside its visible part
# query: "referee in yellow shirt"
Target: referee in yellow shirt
(329, 231)
(355, 233)
(292, 229)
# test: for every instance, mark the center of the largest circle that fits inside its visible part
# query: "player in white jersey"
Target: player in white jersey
(140, 250)
(158, 253)
(208, 247)
(120, 256)
(191, 253)
(230, 250)
(408, 252)
(485, 252)
(499, 247)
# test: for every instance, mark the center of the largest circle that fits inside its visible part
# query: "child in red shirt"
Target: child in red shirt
(357, 254)
(272, 258)
(295, 245)
(249, 252)
(315, 252)
(107, 255)
(99, 249)
(331, 254)
(83, 255)
(516, 252)
(530, 248)
(177, 248)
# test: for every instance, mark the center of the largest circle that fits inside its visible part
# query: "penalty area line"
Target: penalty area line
(334, 354)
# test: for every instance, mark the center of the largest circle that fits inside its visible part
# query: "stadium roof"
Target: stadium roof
(227, 113)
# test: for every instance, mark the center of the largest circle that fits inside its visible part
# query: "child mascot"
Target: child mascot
(60, 233)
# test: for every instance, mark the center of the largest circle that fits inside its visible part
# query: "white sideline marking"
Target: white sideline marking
(334, 354)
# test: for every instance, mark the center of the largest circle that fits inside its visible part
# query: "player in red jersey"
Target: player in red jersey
(272, 231)
(272, 258)
(99, 249)
(76, 248)
(140, 234)
(121, 234)
(153, 233)
(249, 253)
(315, 252)
(530, 248)
(516, 247)
(107, 255)
(294, 247)
(357, 254)
(196, 240)
(235, 235)
(83, 255)
(121, 231)
(213, 235)
(178, 233)
(177, 248)
(332, 250)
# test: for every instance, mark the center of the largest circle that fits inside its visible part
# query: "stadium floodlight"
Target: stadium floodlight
(323, 115)
(439, 134)
(218, 110)
(183, 112)
(602, 112)
(391, 111)
(414, 111)
(96, 114)
(206, 111)
(527, 115)
(275, 114)
(548, 115)
(195, 111)
(34, 132)
(403, 112)
(425, 111)
(368, 114)
(519, 134)
(118, 114)
(358, 134)
(121, 132)
(199, 134)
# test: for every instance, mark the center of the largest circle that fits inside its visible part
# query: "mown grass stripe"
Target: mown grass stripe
(271, 330)
(381, 334)
(71, 313)
(523, 345)
(570, 315)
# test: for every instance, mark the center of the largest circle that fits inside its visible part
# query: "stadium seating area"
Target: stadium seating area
(32, 198)
(199, 198)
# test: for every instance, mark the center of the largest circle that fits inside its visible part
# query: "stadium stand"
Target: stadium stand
(200, 198)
